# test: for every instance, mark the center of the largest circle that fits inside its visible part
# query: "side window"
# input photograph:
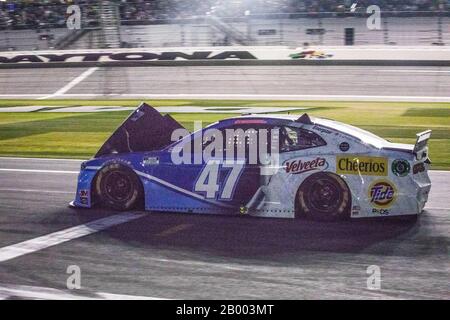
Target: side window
(292, 139)
(245, 141)
(243, 137)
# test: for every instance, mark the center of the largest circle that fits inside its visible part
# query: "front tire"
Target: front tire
(118, 188)
(324, 197)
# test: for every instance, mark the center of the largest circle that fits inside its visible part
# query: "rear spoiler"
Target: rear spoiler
(421, 146)
(144, 130)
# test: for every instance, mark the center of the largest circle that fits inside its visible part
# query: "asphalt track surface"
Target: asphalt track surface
(182, 256)
(231, 82)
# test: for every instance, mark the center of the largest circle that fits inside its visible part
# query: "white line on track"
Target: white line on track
(291, 97)
(72, 83)
(20, 95)
(41, 159)
(243, 97)
(52, 239)
(436, 208)
(37, 191)
(412, 71)
(39, 171)
(31, 292)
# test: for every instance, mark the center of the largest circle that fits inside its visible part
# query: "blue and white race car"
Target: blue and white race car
(301, 166)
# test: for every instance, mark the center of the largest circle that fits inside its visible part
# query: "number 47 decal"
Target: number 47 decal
(208, 181)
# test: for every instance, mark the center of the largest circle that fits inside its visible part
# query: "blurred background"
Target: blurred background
(380, 65)
(35, 25)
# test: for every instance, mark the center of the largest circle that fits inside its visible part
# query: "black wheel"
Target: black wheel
(325, 197)
(118, 188)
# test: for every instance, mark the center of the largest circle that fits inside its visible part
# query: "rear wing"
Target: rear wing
(421, 146)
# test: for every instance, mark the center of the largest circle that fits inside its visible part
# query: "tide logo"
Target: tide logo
(382, 193)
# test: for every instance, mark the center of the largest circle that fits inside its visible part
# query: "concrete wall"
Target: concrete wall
(29, 39)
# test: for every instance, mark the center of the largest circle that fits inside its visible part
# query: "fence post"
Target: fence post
(182, 36)
(439, 30)
(249, 27)
(281, 37)
(320, 32)
(349, 36)
(385, 31)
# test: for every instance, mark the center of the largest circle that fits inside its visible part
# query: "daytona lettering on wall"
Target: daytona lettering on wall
(297, 166)
(128, 56)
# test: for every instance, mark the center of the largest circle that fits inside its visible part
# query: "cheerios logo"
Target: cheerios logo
(382, 193)
(366, 166)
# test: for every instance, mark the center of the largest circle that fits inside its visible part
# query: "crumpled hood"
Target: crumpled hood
(144, 130)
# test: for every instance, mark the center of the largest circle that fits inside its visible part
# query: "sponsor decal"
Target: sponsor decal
(148, 161)
(310, 54)
(418, 168)
(344, 146)
(128, 56)
(367, 166)
(250, 121)
(297, 166)
(243, 210)
(84, 196)
(382, 194)
(137, 115)
(401, 167)
(321, 130)
(356, 210)
(383, 212)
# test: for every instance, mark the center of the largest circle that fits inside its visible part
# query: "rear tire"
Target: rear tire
(324, 197)
(118, 188)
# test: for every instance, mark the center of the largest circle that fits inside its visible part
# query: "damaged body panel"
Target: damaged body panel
(144, 130)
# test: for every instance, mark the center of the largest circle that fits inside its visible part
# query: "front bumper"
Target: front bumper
(83, 197)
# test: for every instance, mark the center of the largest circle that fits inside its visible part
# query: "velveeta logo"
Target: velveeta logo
(296, 166)
(366, 166)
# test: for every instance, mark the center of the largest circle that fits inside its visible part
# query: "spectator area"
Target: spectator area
(39, 13)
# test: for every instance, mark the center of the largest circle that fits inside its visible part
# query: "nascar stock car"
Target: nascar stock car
(311, 167)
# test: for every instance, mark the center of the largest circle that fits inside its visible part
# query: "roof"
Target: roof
(350, 130)
(266, 116)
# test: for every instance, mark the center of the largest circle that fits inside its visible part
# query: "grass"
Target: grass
(79, 135)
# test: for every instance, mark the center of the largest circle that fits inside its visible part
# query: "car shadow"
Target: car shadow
(250, 237)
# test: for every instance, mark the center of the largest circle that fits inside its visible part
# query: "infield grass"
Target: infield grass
(79, 135)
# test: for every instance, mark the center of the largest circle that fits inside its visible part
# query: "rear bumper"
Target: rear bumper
(423, 187)
(411, 196)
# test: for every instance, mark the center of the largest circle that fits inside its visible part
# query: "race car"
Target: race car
(302, 167)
